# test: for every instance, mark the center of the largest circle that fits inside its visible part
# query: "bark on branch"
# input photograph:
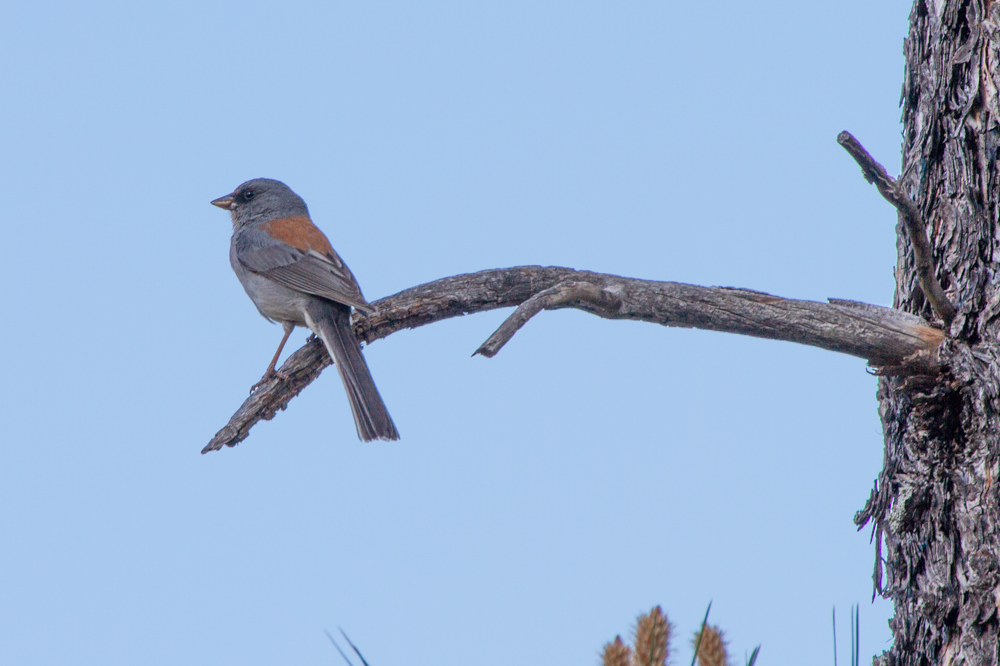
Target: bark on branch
(913, 222)
(887, 338)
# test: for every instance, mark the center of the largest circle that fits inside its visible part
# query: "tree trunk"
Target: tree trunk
(935, 503)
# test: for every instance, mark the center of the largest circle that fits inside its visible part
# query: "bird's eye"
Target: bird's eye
(248, 195)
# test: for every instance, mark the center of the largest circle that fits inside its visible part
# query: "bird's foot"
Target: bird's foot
(268, 376)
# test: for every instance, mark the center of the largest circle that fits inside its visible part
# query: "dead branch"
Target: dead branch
(913, 222)
(883, 336)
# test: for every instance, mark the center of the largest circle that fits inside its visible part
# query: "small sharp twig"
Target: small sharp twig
(913, 221)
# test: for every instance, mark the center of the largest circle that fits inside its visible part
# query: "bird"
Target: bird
(295, 278)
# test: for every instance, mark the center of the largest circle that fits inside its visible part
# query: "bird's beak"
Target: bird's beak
(225, 202)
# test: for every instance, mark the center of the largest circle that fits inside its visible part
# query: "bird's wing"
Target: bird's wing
(303, 259)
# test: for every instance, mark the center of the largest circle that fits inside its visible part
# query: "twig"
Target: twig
(548, 299)
(913, 221)
(883, 336)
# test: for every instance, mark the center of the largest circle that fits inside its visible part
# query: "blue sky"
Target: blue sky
(539, 500)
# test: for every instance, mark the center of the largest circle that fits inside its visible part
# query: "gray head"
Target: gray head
(262, 200)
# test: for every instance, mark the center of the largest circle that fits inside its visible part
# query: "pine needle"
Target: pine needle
(697, 642)
(330, 636)
(711, 649)
(356, 651)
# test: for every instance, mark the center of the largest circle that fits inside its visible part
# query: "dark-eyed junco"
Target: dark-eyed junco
(294, 276)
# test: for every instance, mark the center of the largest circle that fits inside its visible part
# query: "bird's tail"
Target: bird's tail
(332, 323)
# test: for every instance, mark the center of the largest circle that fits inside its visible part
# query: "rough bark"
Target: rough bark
(935, 503)
(893, 341)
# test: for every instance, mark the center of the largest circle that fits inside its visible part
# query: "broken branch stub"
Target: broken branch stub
(913, 222)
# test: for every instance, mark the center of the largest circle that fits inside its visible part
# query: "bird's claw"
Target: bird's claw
(269, 375)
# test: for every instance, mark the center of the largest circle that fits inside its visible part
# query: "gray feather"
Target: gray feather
(310, 273)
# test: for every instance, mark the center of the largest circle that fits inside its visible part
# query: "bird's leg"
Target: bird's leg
(271, 372)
